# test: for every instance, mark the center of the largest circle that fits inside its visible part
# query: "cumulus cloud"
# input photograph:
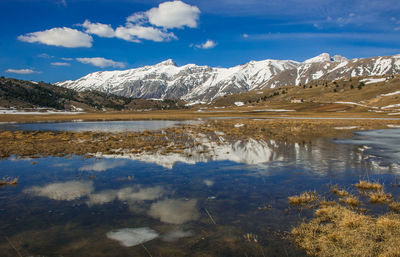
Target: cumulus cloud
(102, 165)
(67, 191)
(101, 62)
(134, 33)
(207, 45)
(132, 236)
(60, 64)
(174, 211)
(64, 37)
(21, 71)
(99, 29)
(175, 14)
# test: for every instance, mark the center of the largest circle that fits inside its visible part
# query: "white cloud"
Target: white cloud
(64, 37)
(175, 14)
(134, 33)
(207, 45)
(21, 71)
(174, 211)
(66, 59)
(245, 35)
(101, 62)
(138, 18)
(132, 236)
(99, 29)
(68, 191)
(60, 64)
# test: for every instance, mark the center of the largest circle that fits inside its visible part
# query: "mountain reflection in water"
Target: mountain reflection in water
(219, 197)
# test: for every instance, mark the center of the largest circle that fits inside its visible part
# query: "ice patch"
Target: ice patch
(132, 236)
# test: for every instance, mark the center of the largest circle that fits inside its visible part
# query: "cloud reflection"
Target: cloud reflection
(130, 194)
(174, 211)
(67, 191)
(102, 166)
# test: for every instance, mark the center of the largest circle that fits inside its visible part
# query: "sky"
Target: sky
(57, 40)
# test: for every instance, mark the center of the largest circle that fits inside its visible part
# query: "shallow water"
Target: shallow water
(231, 201)
(101, 126)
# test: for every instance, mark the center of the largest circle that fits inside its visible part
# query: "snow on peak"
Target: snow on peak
(339, 58)
(168, 62)
(324, 57)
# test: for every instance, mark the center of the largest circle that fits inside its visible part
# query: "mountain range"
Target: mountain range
(203, 83)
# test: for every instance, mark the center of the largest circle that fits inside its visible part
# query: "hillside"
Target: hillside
(203, 83)
(22, 94)
(363, 94)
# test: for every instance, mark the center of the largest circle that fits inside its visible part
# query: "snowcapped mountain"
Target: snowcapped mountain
(191, 82)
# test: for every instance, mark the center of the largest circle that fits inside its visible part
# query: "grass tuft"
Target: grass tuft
(365, 185)
(304, 199)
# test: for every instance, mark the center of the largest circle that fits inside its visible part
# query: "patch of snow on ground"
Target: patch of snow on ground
(393, 126)
(370, 80)
(239, 125)
(390, 106)
(274, 110)
(342, 128)
(394, 113)
(363, 105)
(10, 111)
(239, 103)
(393, 93)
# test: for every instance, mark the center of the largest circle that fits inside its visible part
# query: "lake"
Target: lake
(229, 201)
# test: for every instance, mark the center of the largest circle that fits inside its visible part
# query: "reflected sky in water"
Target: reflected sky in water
(101, 126)
(181, 204)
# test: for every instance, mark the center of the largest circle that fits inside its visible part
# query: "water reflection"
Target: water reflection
(174, 211)
(201, 204)
(319, 156)
(67, 191)
(101, 126)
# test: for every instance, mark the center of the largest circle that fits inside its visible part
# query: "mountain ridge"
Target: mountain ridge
(191, 82)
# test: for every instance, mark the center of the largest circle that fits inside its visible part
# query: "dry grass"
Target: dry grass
(380, 197)
(350, 200)
(365, 185)
(304, 199)
(339, 231)
(395, 206)
(339, 192)
(4, 181)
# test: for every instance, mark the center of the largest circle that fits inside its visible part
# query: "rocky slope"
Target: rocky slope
(203, 83)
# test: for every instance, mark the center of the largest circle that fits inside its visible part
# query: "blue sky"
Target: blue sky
(55, 40)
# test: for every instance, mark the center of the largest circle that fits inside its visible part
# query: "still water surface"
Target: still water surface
(231, 205)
